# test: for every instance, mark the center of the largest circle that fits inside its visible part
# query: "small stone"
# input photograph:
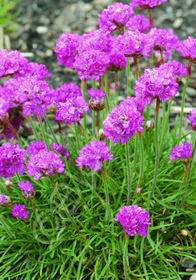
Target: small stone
(191, 92)
(27, 54)
(193, 277)
(178, 23)
(42, 29)
(48, 53)
(184, 232)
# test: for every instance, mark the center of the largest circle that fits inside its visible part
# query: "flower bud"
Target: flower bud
(28, 195)
(148, 125)
(138, 191)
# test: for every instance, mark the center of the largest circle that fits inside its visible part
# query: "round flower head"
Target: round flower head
(91, 64)
(19, 211)
(147, 4)
(134, 219)
(176, 68)
(182, 152)
(192, 119)
(97, 102)
(12, 62)
(93, 155)
(25, 186)
(11, 160)
(138, 23)
(123, 122)
(187, 48)
(67, 48)
(36, 147)
(115, 17)
(155, 83)
(34, 69)
(43, 164)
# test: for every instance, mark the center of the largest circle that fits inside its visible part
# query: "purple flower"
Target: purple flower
(163, 39)
(61, 149)
(33, 69)
(11, 160)
(187, 48)
(115, 17)
(25, 186)
(12, 62)
(91, 64)
(123, 122)
(182, 152)
(43, 164)
(66, 92)
(155, 83)
(5, 201)
(176, 68)
(138, 23)
(97, 99)
(147, 4)
(36, 147)
(18, 210)
(93, 155)
(67, 48)
(134, 219)
(135, 44)
(2, 198)
(192, 119)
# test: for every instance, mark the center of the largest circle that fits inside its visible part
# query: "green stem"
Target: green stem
(142, 160)
(183, 100)
(135, 59)
(103, 175)
(128, 172)
(64, 206)
(165, 124)
(50, 127)
(98, 123)
(128, 77)
(108, 94)
(151, 60)
(33, 128)
(76, 135)
(156, 145)
(116, 90)
(83, 89)
(15, 132)
(93, 181)
(125, 257)
(43, 132)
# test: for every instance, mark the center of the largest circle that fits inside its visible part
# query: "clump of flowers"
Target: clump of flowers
(97, 102)
(27, 190)
(11, 160)
(123, 122)
(18, 211)
(176, 68)
(61, 149)
(138, 23)
(43, 164)
(187, 48)
(147, 4)
(32, 69)
(115, 17)
(182, 152)
(36, 147)
(134, 219)
(192, 119)
(67, 48)
(92, 155)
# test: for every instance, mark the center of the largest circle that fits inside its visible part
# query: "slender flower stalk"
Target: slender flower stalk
(43, 132)
(76, 135)
(128, 172)
(125, 257)
(116, 90)
(83, 90)
(142, 160)
(183, 99)
(165, 124)
(150, 17)
(107, 197)
(50, 127)
(15, 132)
(107, 108)
(156, 145)
(136, 67)
(128, 77)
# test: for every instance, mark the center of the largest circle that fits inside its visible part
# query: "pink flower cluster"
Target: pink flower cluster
(138, 23)
(18, 211)
(134, 219)
(192, 118)
(92, 155)
(182, 152)
(187, 48)
(123, 122)
(147, 4)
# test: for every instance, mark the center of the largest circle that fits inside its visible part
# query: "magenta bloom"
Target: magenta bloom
(123, 122)
(91, 64)
(97, 101)
(11, 160)
(192, 119)
(61, 150)
(25, 186)
(147, 4)
(155, 83)
(12, 62)
(43, 164)
(19, 211)
(138, 23)
(36, 147)
(93, 155)
(176, 68)
(34, 69)
(187, 48)
(182, 152)
(115, 17)
(134, 219)
(5, 201)
(67, 48)
(2, 198)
